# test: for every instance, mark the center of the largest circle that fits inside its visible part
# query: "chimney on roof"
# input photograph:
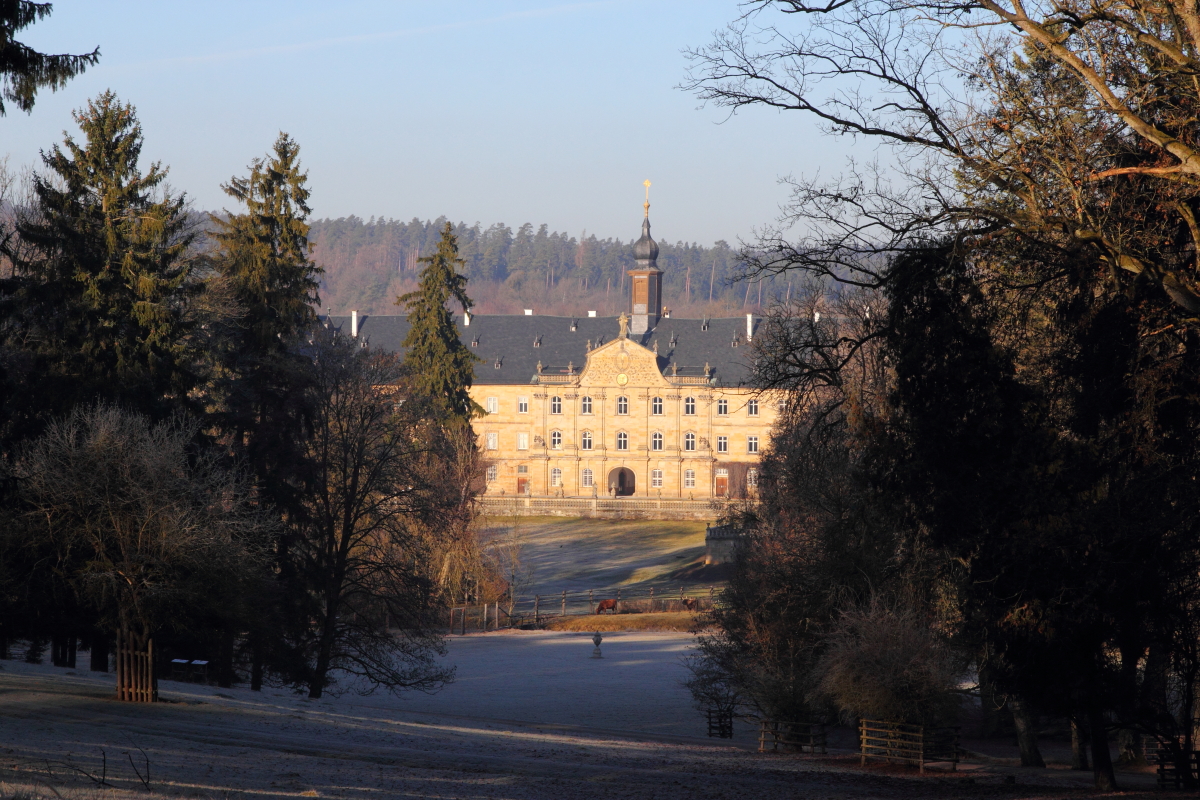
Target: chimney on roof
(591, 313)
(529, 312)
(749, 327)
(354, 323)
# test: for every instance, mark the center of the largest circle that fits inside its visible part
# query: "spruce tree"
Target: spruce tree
(264, 250)
(102, 271)
(24, 70)
(435, 357)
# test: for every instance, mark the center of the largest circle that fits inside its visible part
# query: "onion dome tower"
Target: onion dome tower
(645, 278)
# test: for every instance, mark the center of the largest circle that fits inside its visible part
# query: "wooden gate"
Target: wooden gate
(136, 681)
(898, 743)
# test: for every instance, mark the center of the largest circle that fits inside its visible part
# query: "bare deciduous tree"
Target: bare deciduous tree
(143, 524)
(359, 550)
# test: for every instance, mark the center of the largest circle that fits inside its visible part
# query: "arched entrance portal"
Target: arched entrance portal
(622, 480)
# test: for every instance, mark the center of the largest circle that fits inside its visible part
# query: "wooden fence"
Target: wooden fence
(1177, 773)
(898, 743)
(792, 735)
(536, 610)
(720, 723)
(136, 679)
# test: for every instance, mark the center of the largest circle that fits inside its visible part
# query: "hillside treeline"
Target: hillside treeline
(193, 465)
(368, 263)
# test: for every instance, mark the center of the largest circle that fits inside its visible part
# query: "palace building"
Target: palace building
(590, 414)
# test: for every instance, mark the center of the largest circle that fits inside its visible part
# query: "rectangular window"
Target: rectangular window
(522, 441)
(656, 478)
(588, 480)
(493, 405)
(523, 469)
(689, 479)
(556, 477)
(751, 444)
(752, 478)
(492, 473)
(752, 408)
(522, 405)
(722, 444)
(722, 407)
(493, 441)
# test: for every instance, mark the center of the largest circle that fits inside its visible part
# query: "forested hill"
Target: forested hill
(368, 263)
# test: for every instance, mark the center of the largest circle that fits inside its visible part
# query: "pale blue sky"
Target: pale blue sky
(497, 111)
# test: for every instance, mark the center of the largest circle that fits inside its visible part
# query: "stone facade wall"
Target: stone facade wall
(518, 434)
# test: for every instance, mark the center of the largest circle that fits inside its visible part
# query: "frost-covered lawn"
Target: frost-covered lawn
(532, 717)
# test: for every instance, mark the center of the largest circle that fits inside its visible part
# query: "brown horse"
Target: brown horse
(606, 605)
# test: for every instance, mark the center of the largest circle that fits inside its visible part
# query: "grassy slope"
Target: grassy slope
(581, 554)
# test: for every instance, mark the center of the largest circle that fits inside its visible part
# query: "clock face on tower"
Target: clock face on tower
(622, 379)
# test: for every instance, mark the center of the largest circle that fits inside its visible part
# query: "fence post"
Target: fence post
(563, 613)
(618, 608)
(651, 599)
(464, 621)
(591, 602)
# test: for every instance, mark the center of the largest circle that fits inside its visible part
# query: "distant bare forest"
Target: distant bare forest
(368, 263)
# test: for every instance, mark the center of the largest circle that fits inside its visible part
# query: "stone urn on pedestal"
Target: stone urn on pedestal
(596, 639)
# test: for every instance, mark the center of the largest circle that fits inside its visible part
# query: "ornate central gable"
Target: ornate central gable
(621, 362)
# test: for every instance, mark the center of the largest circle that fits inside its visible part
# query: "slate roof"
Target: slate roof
(509, 341)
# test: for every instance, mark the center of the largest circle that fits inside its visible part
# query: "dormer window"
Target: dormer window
(537, 341)
(574, 325)
(475, 342)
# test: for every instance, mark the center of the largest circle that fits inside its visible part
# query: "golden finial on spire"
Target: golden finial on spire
(647, 203)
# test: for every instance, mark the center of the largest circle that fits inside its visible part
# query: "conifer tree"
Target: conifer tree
(101, 270)
(264, 250)
(261, 403)
(24, 70)
(435, 357)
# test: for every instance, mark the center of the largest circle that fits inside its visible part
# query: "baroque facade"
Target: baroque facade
(622, 426)
(637, 406)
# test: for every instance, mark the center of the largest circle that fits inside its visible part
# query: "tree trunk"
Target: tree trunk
(72, 643)
(256, 665)
(99, 653)
(225, 658)
(1031, 756)
(37, 647)
(58, 649)
(1079, 740)
(1102, 765)
(992, 723)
